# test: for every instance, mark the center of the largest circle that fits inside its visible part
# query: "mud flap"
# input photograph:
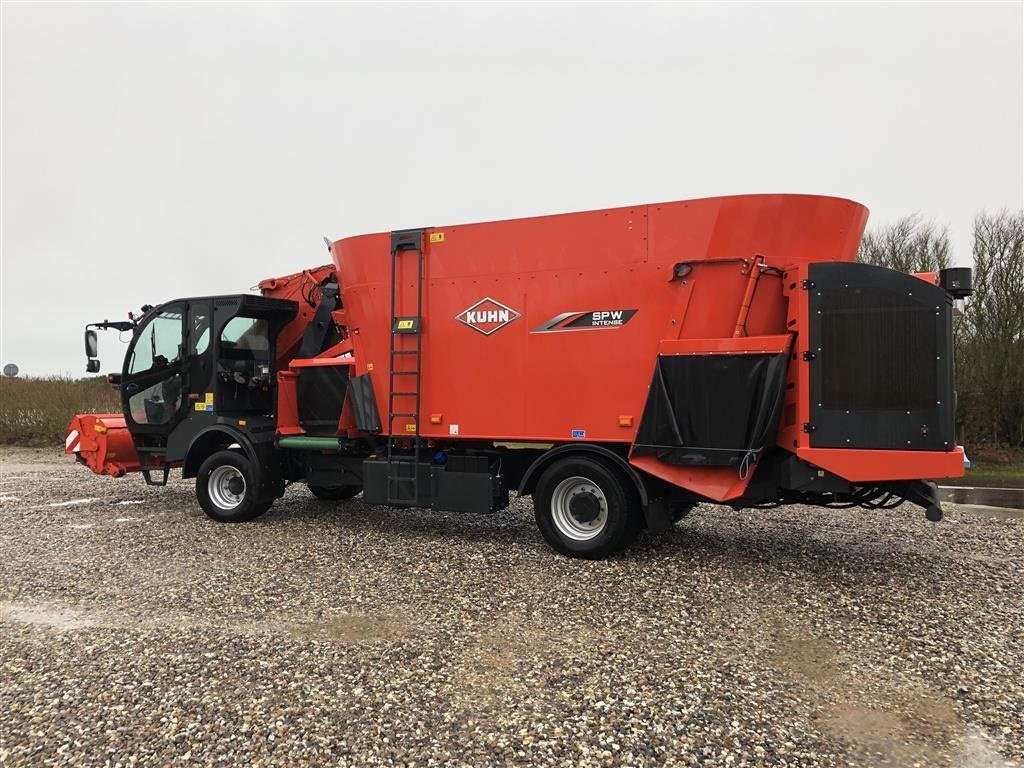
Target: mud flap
(657, 516)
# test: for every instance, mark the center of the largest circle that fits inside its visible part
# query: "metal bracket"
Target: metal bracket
(315, 335)
(808, 355)
(406, 240)
(809, 427)
(807, 284)
(147, 475)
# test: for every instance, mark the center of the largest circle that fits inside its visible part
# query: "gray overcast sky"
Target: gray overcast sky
(158, 150)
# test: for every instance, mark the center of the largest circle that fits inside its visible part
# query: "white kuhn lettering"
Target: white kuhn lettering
(489, 316)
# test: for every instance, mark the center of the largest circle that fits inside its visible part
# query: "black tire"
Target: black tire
(223, 477)
(335, 493)
(615, 511)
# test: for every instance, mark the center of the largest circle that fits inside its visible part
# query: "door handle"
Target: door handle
(131, 388)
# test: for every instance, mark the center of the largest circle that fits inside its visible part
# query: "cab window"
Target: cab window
(158, 345)
(200, 336)
(246, 334)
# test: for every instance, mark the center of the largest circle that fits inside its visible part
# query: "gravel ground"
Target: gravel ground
(136, 631)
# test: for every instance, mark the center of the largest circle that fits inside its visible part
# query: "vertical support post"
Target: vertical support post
(753, 275)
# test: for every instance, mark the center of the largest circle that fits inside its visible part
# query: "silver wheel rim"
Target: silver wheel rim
(219, 487)
(565, 521)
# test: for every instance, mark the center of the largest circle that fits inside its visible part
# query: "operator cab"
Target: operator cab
(196, 362)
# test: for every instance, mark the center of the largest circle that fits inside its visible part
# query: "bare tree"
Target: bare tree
(990, 339)
(911, 244)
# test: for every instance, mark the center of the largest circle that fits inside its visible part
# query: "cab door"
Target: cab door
(154, 386)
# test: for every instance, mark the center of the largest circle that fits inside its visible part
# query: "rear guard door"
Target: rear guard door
(882, 373)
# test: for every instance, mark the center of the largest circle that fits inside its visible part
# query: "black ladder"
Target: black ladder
(404, 375)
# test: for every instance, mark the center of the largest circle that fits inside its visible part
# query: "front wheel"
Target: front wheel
(586, 508)
(226, 487)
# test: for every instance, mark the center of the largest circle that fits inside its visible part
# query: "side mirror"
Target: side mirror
(92, 365)
(91, 345)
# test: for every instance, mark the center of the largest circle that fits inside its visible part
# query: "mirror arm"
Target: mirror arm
(119, 325)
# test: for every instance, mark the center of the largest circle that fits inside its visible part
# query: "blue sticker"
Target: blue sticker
(579, 434)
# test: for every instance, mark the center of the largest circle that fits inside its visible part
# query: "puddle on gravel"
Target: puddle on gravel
(978, 750)
(895, 726)
(340, 629)
(47, 617)
(905, 730)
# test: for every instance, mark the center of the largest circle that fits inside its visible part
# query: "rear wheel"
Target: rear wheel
(586, 508)
(335, 492)
(226, 487)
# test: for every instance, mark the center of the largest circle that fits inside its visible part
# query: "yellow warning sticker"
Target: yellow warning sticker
(410, 427)
(437, 237)
(200, 406)
(209, 397)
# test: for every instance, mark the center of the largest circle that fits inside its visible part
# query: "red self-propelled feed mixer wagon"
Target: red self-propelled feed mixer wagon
(619, 366)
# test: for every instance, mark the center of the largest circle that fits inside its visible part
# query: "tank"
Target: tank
(683, 330)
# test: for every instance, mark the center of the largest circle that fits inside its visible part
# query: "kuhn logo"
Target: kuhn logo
(487, 316)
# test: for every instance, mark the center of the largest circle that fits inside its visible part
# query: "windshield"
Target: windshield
(159, 343)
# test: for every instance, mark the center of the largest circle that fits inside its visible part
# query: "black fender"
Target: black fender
(197, 451)
(263, 454)
(529, 481)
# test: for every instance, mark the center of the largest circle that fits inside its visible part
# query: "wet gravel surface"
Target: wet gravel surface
(135, 631)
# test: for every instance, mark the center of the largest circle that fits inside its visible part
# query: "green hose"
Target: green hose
(305, 443)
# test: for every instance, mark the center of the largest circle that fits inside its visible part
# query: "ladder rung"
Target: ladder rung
(404, 415)
(393, 373)
(404, 394)
(405, 352)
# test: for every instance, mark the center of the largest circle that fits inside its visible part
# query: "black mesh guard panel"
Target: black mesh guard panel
(883, 348)
(882, 372)
(711, 409)
(364, 404)
(321, 393)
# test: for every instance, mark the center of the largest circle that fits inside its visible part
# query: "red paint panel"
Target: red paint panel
(716, 483)
(522, 382)
(864, 465)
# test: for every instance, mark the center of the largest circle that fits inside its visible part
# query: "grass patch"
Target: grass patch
(36, 412)
(993, 475)
(992, 466)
